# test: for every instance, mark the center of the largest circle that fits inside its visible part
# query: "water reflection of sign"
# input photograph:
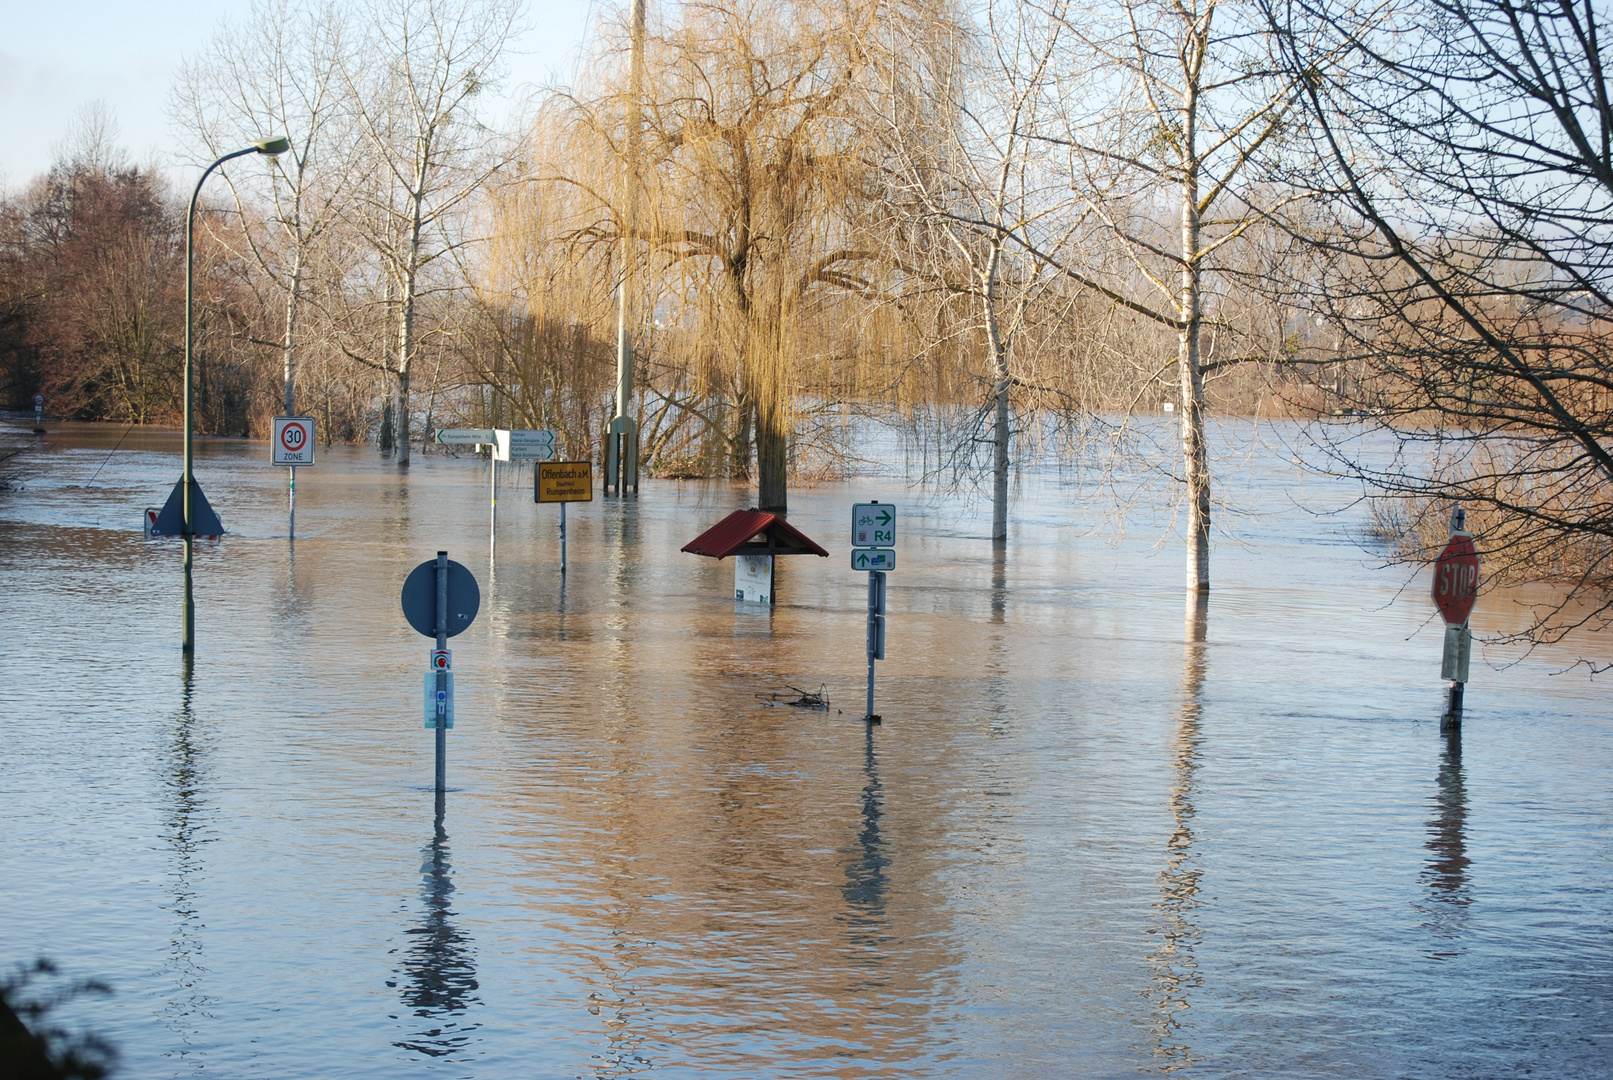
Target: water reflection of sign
(522, 445)
(293, 442)
(753, 578)
(564, 481)
(873, 559)
(873, 525)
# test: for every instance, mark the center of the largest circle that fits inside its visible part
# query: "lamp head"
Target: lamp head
(277, 145)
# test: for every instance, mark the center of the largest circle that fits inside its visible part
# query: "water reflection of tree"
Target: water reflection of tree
(184, 828)
(1176, 971)
(1446, 874)
(439, 972)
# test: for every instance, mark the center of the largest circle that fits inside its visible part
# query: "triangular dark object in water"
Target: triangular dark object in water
(171, 522)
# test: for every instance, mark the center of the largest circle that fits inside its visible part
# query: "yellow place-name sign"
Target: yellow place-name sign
(565, 481)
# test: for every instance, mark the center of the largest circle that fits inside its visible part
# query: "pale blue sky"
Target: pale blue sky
(58, 55)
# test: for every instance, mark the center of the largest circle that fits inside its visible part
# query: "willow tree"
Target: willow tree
(751, 167)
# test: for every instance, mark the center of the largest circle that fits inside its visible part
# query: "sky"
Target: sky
(57, 56)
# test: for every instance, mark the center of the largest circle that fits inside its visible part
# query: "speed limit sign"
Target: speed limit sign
(293, 441)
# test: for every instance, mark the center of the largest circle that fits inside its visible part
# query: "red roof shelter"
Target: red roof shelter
(753, 532)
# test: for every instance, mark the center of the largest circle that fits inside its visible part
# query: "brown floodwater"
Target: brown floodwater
(1098, 833)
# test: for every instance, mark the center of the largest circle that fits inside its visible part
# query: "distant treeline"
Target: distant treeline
(1012, 223)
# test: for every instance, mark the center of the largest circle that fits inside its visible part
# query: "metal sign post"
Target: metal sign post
(1456, 588)
(509, 445)
(563, 482)
(873, 538)
(440, 600)
(292, 445)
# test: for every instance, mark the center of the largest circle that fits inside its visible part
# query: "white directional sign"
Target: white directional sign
(463, 436)
(873, 559)
(293, 442)
(515, 445)
(873, 525)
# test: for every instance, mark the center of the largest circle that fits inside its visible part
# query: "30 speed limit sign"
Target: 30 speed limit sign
(293, 441)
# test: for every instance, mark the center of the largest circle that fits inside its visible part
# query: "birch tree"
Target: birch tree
(971, 183)
(412, 80)
(1171, 107)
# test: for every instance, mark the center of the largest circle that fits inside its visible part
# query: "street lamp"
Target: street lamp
(277, 145)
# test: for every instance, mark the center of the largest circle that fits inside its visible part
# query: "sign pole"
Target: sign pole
(1456, 582)
(562, 538)
(291, 490)
(442, 676)
(876, 635)
(492, 495)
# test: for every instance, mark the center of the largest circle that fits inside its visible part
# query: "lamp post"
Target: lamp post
(277, 145)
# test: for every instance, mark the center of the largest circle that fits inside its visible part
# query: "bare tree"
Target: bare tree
(412, 79)
(1171, 108)
(972, 190)
(1468, 265)
(278, 74)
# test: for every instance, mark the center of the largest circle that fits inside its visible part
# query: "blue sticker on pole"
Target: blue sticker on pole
(873, 559)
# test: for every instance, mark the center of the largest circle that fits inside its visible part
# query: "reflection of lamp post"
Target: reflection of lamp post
(277, 145)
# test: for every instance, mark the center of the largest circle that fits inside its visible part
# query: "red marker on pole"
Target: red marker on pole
(1455, 588)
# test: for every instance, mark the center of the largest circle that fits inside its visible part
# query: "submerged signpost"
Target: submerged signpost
(1456, 587)
(563, 482)
(873, 536)
(292, 445)
(440, 600)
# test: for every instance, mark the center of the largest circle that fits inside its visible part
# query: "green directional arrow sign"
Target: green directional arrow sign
(873, 559)
(873, 525)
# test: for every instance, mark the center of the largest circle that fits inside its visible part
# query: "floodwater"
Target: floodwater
(1082, 844)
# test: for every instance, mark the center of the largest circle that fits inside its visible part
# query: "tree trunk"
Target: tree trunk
(772, 454)
(1194, 458)
(290, 351)
(999, 390)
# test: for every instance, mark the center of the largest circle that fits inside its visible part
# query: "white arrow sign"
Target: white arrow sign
(463, 436)
(513, 445)
(873, 525)
(873, 559)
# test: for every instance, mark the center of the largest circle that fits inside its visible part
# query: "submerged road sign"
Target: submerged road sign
(1456, 579)
(420, 598)
(522, 445)
(293, 442)
(873, 525)
(873, 559)
(464, 436)
(563, 482)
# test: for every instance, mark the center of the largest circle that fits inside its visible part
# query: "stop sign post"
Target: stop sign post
(1455, 588)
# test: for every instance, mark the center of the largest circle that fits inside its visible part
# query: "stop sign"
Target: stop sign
(1456, 579)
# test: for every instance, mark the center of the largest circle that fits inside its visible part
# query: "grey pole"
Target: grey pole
(492, 499)
(876, 605)
(562, 538)
(263, 146)
(293, 497)
(442, 676)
